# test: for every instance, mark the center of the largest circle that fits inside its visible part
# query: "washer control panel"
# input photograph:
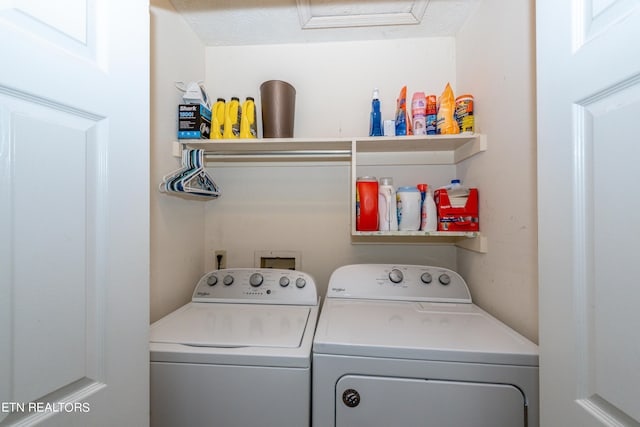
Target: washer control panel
(256, 285)
(398, 282)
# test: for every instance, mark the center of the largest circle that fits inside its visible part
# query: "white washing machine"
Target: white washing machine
(404, 346)
(237, 355)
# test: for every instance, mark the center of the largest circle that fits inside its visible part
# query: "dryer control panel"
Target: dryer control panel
(398, 282)
(256, 285)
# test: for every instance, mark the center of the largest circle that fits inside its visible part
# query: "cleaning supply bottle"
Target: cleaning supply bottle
(419, 113)
(402, 121)
(232, 115)
(429, 213)
(422, 188)
(375, 125)
(387, 205)
(432, 115)
(248, 119)
(367, 203)
(458, 194)
(454, 185)
(408, 199)
(217, 119)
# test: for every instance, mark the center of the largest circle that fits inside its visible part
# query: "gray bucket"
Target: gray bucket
(278, 109)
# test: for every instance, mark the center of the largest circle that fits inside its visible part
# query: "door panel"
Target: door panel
(612, 320)
(65, 25)
(60, 241)
(588, 98)
(366, 401)
(72, 23)
(53, 329)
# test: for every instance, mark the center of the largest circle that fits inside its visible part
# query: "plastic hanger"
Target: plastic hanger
(192, 178)
(197, 180)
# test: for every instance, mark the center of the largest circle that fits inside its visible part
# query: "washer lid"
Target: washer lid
(419, 330)
(232, 325)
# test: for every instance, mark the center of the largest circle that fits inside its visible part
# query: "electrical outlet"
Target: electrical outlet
(220, 259)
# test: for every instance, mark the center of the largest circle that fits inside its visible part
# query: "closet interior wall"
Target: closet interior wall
(306, 207)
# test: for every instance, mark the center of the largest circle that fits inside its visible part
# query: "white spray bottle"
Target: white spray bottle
(429, 213)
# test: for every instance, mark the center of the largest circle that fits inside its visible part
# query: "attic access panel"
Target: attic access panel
(338, 13)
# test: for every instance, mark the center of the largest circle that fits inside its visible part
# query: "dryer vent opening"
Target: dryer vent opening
(289, 260)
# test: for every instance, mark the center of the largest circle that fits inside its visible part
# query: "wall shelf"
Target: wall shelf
(473, 241)
(415, 150)
(430, 149)
(360, 151)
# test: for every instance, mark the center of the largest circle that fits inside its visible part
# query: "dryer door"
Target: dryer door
(366, 401)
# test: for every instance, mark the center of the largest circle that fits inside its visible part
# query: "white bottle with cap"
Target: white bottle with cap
(387, 209)
(429, 213)
(458, 194)
(409, 203)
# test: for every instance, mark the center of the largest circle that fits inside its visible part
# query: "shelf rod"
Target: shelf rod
(287, 153)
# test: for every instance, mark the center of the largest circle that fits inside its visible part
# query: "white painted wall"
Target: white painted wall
(496, 62)
(307, 209)
(297, 208)
(177, 240)
(334, 81)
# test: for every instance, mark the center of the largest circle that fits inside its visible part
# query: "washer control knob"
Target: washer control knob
(284, 281)
(351, 398)
(444, 279)
(228, 280)
(396, 276)
(426, 278)
(301, 283)
(256, 280)
(212, 280)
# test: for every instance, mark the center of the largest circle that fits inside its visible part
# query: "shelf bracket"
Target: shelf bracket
(477, 244)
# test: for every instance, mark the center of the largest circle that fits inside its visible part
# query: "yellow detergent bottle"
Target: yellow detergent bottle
(232, 119)
(217, 119)
(248, 119)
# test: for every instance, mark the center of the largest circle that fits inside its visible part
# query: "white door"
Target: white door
(589, 204)
(74, 217)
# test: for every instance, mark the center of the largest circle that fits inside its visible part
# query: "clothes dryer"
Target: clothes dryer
(404, 346)
(238, 354)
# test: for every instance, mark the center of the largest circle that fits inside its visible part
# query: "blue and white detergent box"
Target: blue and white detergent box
(194, 121)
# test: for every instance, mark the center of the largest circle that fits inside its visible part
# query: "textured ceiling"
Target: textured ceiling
(250, 22)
